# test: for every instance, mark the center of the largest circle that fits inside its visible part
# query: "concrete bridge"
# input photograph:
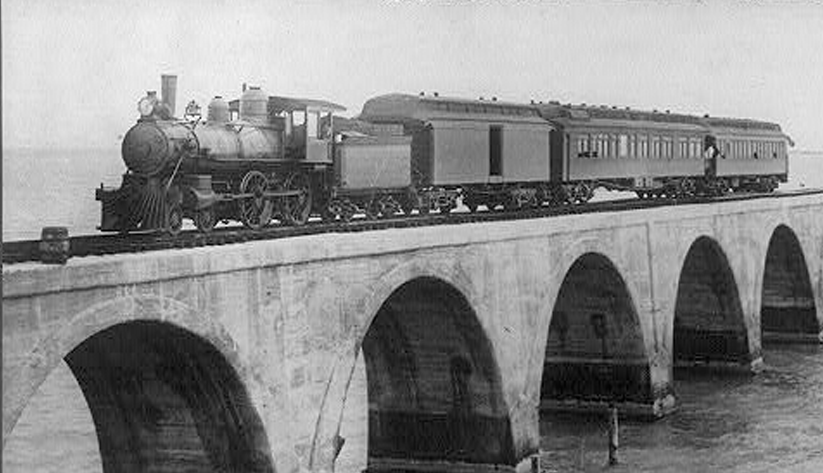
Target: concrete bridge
(241, 358)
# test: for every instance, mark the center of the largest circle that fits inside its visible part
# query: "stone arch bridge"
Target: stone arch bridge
(240, 357)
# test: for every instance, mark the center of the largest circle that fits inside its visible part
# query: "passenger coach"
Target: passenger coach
(661, 154)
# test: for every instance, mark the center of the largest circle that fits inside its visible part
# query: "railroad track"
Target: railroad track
(95, 245)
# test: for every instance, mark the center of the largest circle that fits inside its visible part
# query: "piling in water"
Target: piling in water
(613, 435)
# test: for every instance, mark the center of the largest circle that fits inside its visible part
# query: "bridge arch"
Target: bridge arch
(434, 387)
(787, 304)
(460, 288)
(709, 325)
(166, 387)
(595, 351)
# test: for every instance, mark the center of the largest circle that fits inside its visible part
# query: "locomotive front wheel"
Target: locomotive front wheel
(204, 220)
(255, 210)
(174, 219)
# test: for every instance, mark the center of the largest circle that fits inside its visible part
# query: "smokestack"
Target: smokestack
(168, 91)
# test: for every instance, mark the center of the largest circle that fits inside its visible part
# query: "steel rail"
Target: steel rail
(95, 245)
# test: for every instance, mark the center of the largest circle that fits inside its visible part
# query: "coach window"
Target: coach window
(632, 146)
(495, 151)
(644, 146)
(623, 148)
(582, 146)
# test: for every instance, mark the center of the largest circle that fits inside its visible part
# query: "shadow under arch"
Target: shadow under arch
(709, 328)
(434, 386)
(595, 353)
(787, 310)
(164, 399)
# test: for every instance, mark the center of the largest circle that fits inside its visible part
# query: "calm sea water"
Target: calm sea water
(43, 188)
(770, 422)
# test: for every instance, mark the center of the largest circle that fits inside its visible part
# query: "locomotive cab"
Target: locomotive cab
(308, 125)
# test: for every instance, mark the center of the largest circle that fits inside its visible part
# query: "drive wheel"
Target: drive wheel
(298, 208)
(205, 220)
(255, 208)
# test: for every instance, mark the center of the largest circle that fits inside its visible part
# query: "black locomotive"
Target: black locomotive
(264, 159)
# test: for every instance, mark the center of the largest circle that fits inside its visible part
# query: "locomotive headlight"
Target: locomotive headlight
(145, 106)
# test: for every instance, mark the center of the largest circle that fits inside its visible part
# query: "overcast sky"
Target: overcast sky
(74, 70)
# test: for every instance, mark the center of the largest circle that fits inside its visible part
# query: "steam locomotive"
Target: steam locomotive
(264, 159)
